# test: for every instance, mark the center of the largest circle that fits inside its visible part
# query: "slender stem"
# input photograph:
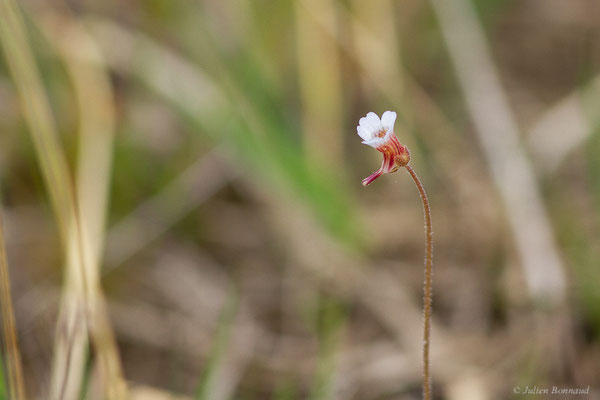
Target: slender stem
(427, 285)
(13, 358)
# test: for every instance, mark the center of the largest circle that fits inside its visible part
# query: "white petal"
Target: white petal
(375, 142)
(374, 120)
(388, 119)
(367, 126)
(363, 133)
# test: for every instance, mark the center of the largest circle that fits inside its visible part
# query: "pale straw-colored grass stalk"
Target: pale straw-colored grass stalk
(82, 311)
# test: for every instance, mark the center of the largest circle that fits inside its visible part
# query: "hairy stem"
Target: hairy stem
(427, 285)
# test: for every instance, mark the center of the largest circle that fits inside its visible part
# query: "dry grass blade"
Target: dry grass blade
(375, 54)
(320, 84)
(81, 290)
(499, 136)
(565, 126)
(374, 49)
(96, 109)
(93, 91)
(71, 337)
(16, 386)
(37, 112)
(377, 50)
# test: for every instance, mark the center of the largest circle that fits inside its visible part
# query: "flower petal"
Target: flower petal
(374, 142)
(368, 126)
(363, 133)
(374, 120)
(388, 119)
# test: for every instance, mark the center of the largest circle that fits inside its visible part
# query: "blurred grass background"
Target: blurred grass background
(183, 214)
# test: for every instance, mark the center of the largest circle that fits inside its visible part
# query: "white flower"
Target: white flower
(376, 132)
(379, 134)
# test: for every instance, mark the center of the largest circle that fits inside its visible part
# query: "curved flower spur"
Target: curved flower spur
(379, 134)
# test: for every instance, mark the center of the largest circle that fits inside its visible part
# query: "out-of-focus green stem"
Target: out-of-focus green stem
(16, 386)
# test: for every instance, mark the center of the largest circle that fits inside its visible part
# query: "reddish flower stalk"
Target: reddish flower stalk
(379, 134)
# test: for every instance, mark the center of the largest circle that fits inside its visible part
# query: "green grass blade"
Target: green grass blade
(16, 386)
